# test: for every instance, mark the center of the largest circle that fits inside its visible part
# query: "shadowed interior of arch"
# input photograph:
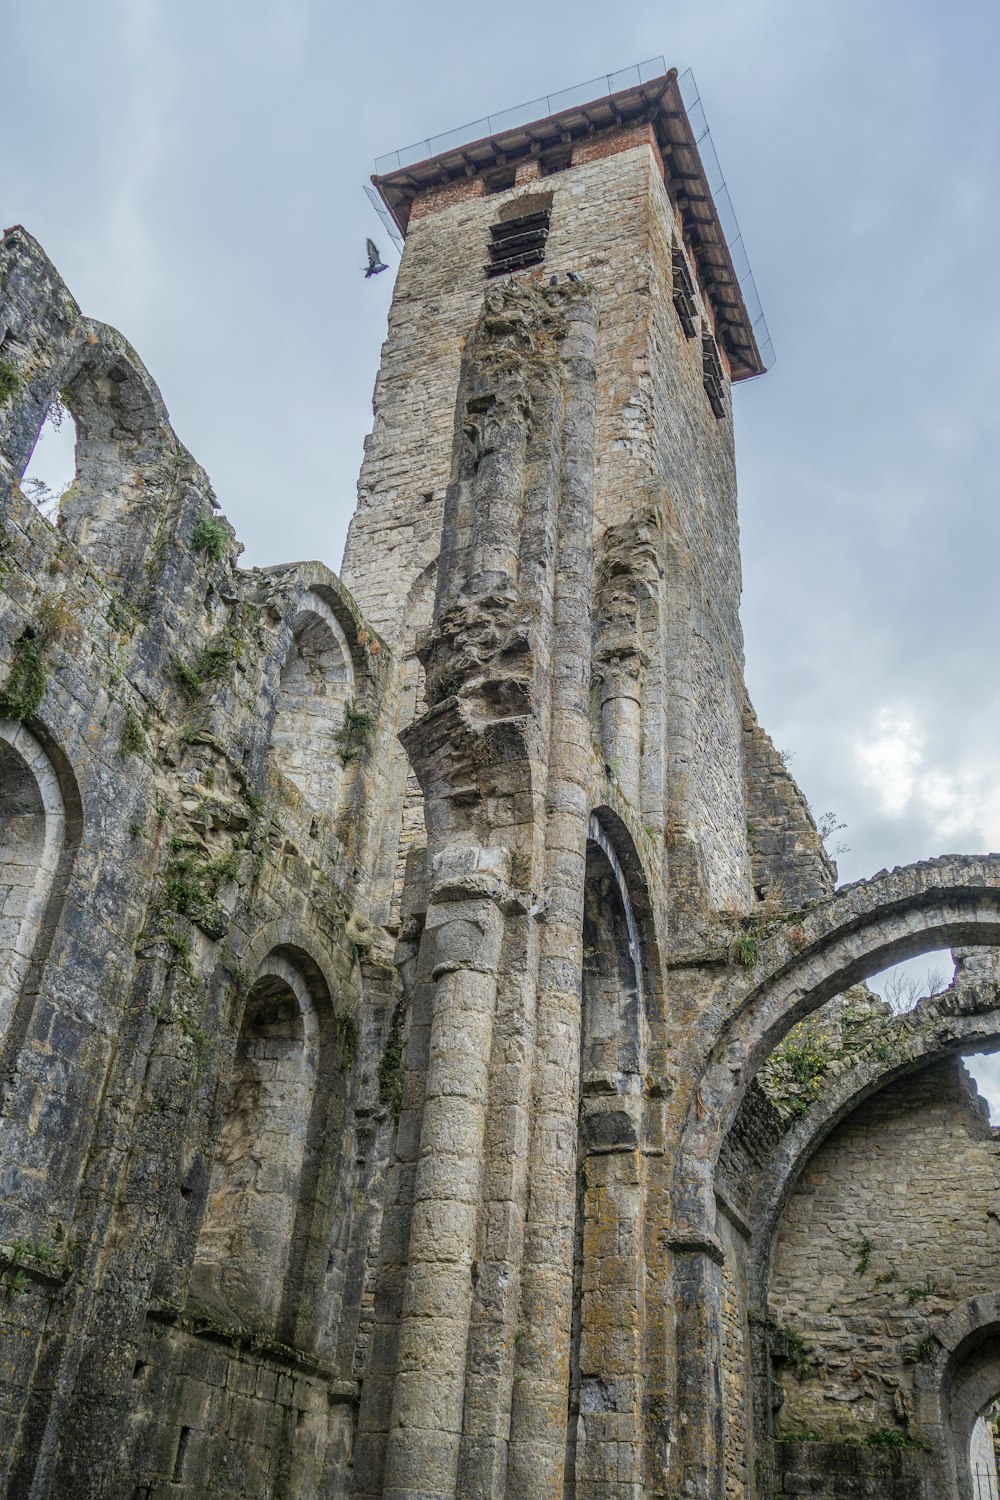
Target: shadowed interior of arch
(310, 742)
(246, 1234)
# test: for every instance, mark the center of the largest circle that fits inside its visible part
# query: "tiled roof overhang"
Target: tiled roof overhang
(657, 102)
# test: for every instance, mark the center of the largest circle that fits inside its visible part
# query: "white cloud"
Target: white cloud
(958, 801)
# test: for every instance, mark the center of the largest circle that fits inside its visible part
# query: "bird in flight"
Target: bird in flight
(375, 261)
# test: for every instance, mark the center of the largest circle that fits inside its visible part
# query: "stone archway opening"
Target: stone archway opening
(314, 735)
(245, 1246)
(51, 469)
(604, 1403)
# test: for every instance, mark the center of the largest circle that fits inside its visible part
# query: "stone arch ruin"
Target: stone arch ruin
(315, 692)
(437, 1058)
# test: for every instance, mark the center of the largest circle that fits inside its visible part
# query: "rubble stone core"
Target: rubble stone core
(435, 1060)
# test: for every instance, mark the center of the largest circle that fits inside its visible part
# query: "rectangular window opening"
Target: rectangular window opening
(684, 298)
(712, 376)
(518, 243)
(180, 1461)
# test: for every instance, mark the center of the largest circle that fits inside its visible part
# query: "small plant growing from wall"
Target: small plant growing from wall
(210, 537)
(863, 1250)
(10, 382)
(746, 950)
(352, 736)
(27, 680)
(133, 741)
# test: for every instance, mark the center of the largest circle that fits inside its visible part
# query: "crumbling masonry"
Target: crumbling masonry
(400, 973)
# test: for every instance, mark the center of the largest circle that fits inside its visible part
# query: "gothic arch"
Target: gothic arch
(863, 929)
(953, 1388)
(608, 1329)
(39, 832)
(317, 684)
(256, 1244)
(965, 1018)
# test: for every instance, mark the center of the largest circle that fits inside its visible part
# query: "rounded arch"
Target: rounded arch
(945, 903)
(258, 1228)
(911, 1042)
(955, 1385)
(125, 451)
(40, 827)
(310, 739)
(965, 1018)
(801, 962)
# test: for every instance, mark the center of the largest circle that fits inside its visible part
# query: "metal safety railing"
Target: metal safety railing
(727, 219)
(587, 93)
(522, 114)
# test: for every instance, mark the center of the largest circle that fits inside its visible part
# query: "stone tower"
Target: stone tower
(435, 1062)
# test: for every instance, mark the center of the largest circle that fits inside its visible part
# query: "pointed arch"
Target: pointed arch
(40, 822)
(255, 1232)
(605, 1397)
(317, 684)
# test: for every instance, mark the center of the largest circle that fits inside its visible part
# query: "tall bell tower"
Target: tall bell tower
(546, 534)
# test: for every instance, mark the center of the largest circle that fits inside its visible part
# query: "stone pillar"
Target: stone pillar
(697, 1289)
(538, 1409)
(621, 723)
(465, 928)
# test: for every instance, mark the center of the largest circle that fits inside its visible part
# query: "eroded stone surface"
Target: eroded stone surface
(413, 989)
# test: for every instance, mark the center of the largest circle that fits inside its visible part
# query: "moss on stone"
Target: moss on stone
(10, 382)
(22, 693)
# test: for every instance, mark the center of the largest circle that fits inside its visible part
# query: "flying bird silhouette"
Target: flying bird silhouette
(375, 261)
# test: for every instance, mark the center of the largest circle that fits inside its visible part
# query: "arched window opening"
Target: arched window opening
(32, 839)
(51, 469)
(246, 1242)
(983, 1455)
(610, 1039)
(125, 474)
(607, 1331)
(317, 685)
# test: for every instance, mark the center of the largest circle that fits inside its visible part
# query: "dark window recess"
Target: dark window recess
(684, 302)
(556, 160)
(712, 376)
(518, 243)
(500, 180)
(180, 1459)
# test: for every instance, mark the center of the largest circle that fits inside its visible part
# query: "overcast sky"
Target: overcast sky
(195, 169)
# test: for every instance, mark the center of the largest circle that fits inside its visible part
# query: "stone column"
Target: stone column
(621, 722)
(465, 928)
(538, 1410)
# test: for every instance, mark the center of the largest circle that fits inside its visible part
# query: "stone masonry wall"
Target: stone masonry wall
(662, 456)
(164, 866)
(892, 1224)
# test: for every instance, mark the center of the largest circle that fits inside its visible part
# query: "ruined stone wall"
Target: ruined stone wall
(172, 868)
(892, 1224)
